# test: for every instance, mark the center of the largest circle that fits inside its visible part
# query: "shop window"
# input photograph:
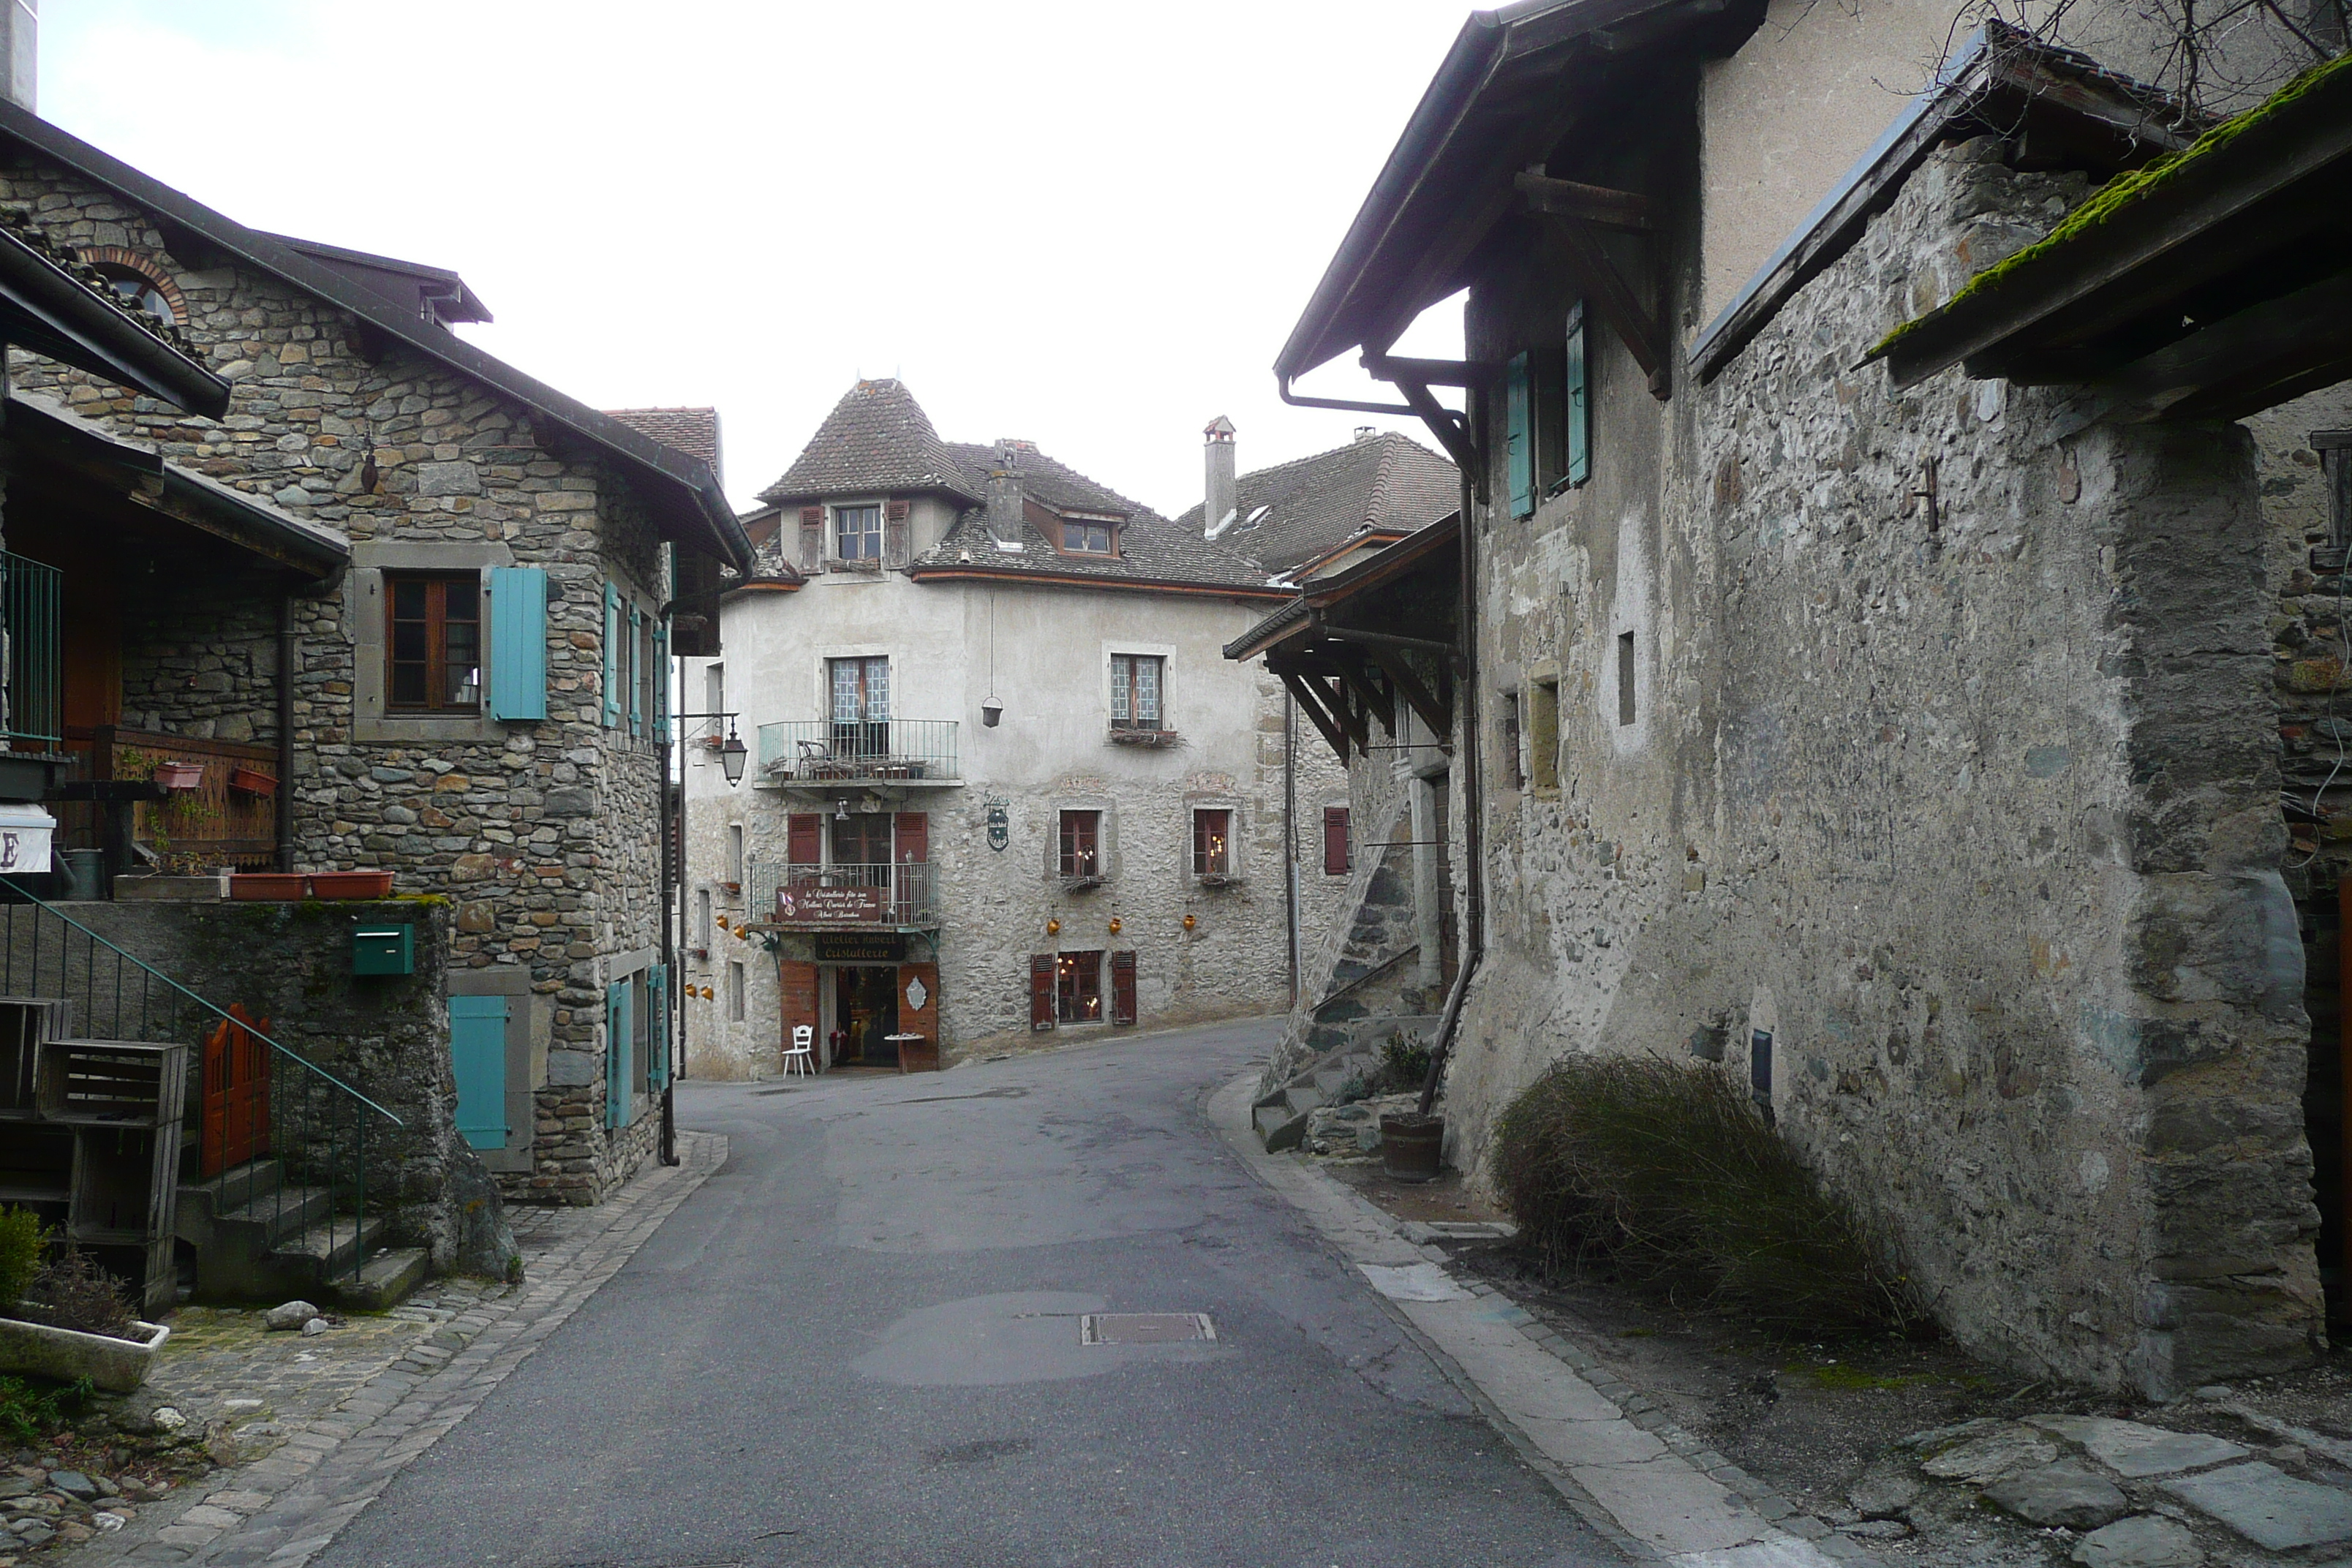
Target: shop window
(1081, 844)
(1077, 988)
(1212, 842)
(434, 642)
(1137, 683)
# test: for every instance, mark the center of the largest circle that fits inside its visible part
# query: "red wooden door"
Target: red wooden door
(235, 1118)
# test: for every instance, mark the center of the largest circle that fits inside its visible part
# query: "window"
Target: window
(1077, 988)
(857, 532)
(1086, 536)
(1212, 842)
(1514, 759)
(645, 1049)
(734, 993)
(735, 854)
(2335, 449)
(139, 291)
(1338, 842)
(649, 650)
(435, 646)
(1543, 735)
(863, 839)
(1624, 677)
(1081, 844)
(861, 706)
(1135, 688)
(702, 919)
(714, 690)
(1519, 435)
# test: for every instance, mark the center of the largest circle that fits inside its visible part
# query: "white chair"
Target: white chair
(802, 1058)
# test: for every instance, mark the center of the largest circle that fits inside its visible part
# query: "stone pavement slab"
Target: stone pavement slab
(2138, 1452)
(354, 1435)
(2141, 1542)
(2269, 1507)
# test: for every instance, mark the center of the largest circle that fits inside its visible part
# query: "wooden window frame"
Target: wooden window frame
(1083, 524)
(1069, 996)
(1218, 862)
(436, 643)
(1079, 853)
(1129, 687)
(834, 536)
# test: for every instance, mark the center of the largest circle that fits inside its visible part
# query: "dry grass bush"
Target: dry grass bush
(22, 1238)
(72, 1291)
(1671, 1174)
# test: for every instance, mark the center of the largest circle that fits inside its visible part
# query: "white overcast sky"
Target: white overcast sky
(1088, 225)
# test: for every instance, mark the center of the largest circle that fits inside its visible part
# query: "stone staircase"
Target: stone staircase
(259, 1236)
(1280, 1116)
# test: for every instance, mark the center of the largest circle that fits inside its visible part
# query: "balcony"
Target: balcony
(35, 686)
(817, 753)
(843, 898)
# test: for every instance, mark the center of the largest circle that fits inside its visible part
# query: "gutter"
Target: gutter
(1123, 584)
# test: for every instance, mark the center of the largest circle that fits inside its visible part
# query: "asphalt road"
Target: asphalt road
(859, 1343)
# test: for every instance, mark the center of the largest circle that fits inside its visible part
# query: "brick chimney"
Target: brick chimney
(1223, 494)
(20, 31)
(1005, 495)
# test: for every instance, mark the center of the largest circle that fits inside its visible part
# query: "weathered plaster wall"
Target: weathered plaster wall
(545, 834)
(1044, 654)
(1973, 810)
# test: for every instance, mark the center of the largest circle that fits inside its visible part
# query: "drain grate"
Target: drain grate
(1144, 1328)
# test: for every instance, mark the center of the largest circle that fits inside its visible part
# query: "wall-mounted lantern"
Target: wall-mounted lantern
(1053, 928)
(1190, 923)
(1114, 925)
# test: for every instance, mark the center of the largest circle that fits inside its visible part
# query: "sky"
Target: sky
(1089, 226)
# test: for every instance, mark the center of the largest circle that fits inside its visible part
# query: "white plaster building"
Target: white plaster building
(1003, 779)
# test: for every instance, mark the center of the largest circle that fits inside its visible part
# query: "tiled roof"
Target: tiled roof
(694, 431)
(1150, 548)
(877, 438)
(1294, 511)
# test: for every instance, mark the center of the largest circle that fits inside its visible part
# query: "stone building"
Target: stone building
(1005, 783)
(1908, 745)
(443, 651)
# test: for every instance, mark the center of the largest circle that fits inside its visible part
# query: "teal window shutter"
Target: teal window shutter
(518, 642)
(637, 671)
(1580, 403)
(1518, 412)
(657, 1001)
(661, 681)
(616, 1053)
(478, 1060)
(612, 656)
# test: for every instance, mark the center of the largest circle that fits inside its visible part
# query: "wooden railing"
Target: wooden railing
(229, 818)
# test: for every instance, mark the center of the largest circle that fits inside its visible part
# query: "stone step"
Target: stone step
(233, 1189)
(281, 1212)
(386, 1280)
(1302, 1098)
(1277, 1129)
(329, 1246)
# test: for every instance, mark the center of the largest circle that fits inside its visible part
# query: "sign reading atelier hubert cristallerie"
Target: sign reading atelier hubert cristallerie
(859, 947)
(804, 903)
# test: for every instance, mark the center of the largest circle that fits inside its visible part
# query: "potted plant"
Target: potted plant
(178, 776)
(67, 1319)
(351, 884)
(252, 781)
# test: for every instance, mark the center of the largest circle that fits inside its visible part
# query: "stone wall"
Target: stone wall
(1969, 808)
(544, 835)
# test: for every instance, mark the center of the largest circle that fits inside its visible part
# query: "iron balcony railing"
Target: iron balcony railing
(823, 751)
(32, 652)
(843, 898)
(293, 1138)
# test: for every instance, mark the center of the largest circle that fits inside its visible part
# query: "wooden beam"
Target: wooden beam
(1625, 210)
(1432, 714)
(1434, 371)
(1300, 694)
(2235, 367)
(1379, 704)
(1613, 298)
(1335, 699)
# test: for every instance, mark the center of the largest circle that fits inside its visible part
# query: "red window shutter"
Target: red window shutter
(1041, 991)
(804, 828)
(914, 834)
(1122, 987)
(1337, 860)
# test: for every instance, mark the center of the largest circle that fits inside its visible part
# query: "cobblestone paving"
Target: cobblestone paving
(340, 1413)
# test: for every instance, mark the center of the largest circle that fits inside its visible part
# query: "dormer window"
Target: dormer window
(1089, 535)
(857, 532)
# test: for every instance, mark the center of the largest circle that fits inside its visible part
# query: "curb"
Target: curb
(1684, 1506)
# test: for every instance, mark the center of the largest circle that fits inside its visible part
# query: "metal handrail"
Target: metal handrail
(32, 694)
(291, 1054)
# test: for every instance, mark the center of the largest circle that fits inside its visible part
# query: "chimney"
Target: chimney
(20, 29)
(1368, 433)
(1223, 496)
(1004, 499)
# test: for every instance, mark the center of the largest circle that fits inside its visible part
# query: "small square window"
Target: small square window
(857, 532)
(1213, 842)
(434, 645)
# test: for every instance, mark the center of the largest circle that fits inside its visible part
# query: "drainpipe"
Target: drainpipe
(286, 651)
(672, 815)
(1290, 829)
(1474, 806)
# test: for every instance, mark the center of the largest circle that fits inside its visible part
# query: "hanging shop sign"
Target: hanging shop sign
(809, 904)
(1000, 825)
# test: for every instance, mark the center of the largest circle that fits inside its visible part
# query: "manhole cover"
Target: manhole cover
(1143, 1328)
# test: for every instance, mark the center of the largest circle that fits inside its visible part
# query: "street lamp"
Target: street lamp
(732, 756)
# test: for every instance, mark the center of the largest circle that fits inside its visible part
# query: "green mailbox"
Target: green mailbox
(383, 950)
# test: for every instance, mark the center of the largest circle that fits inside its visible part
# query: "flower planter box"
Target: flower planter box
(252, 886)
(116, 1365)
(351, 884)
(252, 781)
(180, 776)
